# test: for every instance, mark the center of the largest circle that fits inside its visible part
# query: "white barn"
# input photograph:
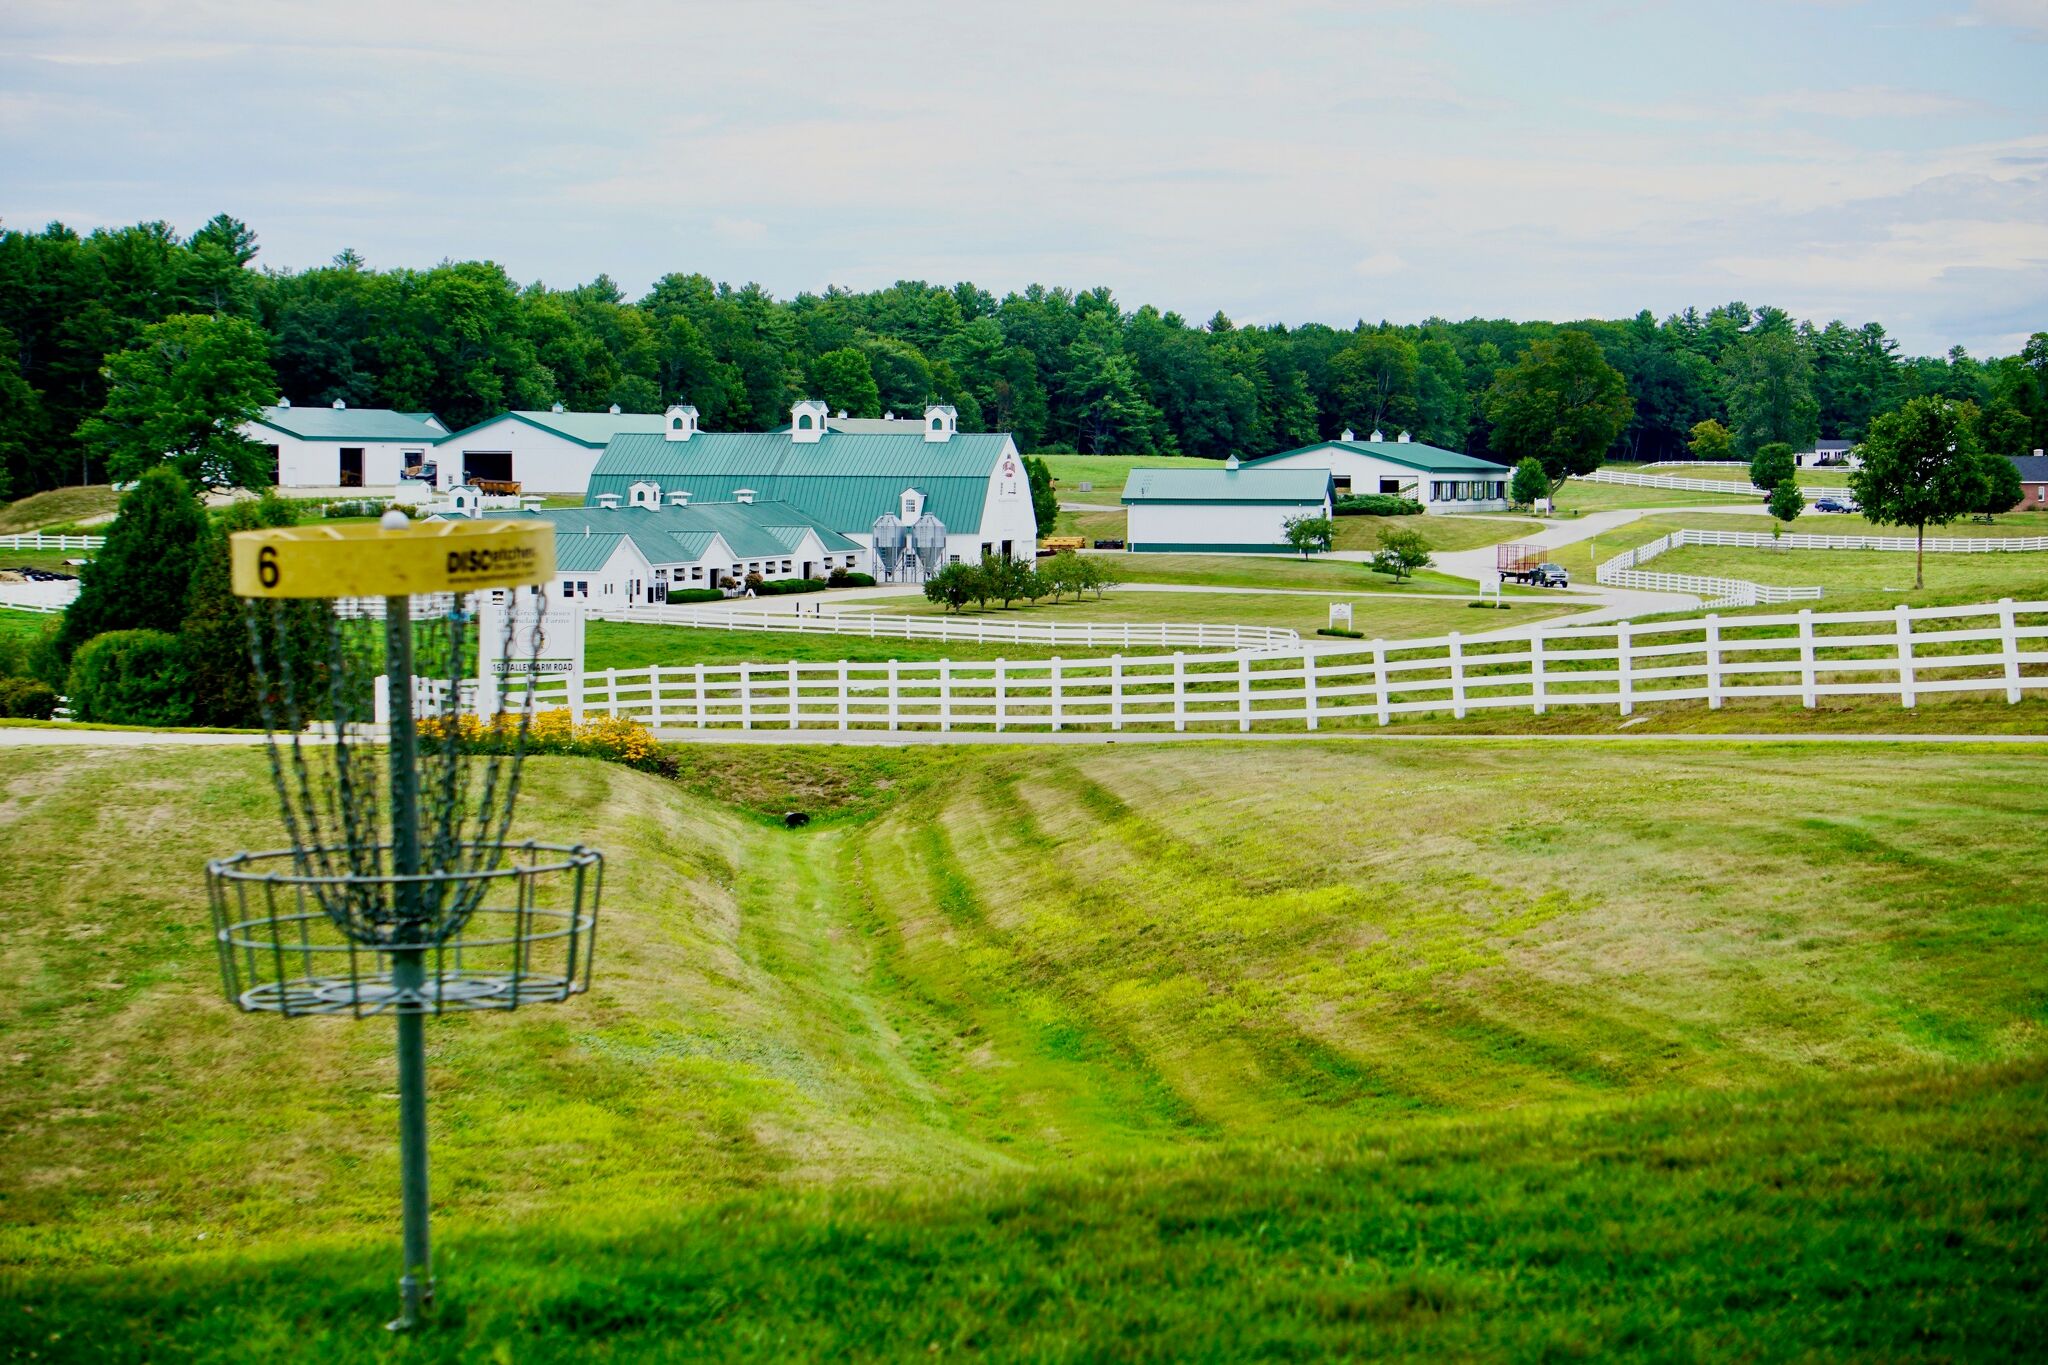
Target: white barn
(1441, 480)
(913, 495)
(1232, 509)
(344, 447)
(542, 452)
(619, 558)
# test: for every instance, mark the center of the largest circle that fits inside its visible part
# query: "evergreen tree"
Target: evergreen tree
(140, 578)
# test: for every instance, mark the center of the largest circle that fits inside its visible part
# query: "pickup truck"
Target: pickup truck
(1525, 564)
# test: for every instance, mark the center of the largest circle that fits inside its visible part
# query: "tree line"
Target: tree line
(87, 319)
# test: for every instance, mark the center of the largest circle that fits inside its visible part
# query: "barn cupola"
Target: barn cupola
(339, 405)
(556, 408)
(608, 500)
(1402, 438)
(1349, 435)
(283, 402)
(940, 422)
(679, 497)
(743, 496)
(807, 421)
(1231, 463)
(1378, 435)
(646, 493)
(680, 422)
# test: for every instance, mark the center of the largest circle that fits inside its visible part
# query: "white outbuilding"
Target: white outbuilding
(542, 452)
(1441, 480)
(343, 447)
(1231, 509)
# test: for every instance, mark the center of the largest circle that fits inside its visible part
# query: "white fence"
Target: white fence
(1621, 572)
(38, 541)
(1800, 540)
(1905, 654)
(970, 629)
(1675, 481)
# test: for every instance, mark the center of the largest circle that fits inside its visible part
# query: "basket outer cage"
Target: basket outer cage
(530, 940)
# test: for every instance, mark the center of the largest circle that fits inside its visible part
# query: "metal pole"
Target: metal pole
(408, 966)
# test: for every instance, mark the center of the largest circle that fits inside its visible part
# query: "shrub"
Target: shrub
(614, 739)
(952, 586)
(847, 578)
(138, 580)
(131, 677)
(1377, 505)
(1401, 552)
(782, 587)
(695, 595)
(27, 699)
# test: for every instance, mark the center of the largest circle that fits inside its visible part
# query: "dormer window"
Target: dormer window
(803, 422)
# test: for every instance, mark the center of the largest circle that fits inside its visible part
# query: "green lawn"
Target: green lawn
(618, 644)
(1279, 571)
(1578, 495)
(1388, 616)
(57, 507)
(1986, 576)
(1439, 533)
(1147, 1053)
(1108, 472)
(1094, 525)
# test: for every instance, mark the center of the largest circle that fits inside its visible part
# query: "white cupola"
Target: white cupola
(646, 493)
(681, 423)
(339, 405)
(615, 409)
(940, 422)
(284, 402)
(1377, 435)
(807, 421)
(1402, 438)
(608, 500)
(556, 408)
(743, 495)
(1349, 435)
(1231, 463)
(679, 497)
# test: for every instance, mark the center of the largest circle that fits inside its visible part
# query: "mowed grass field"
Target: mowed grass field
(1390, 616)
(57, 507)
(1439, 533)
(1224, 1051)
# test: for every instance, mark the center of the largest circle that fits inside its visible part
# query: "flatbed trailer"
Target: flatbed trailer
(1523, 563)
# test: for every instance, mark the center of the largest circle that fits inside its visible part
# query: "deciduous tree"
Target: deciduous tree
(1919, 470)
(179, 397)
(1562, 404)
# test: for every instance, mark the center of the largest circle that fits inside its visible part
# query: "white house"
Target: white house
(914, 496)
(344, 447)
(1828, 452)
(1230, 509)
(542, 452)
(1441, 480)
(621, 557)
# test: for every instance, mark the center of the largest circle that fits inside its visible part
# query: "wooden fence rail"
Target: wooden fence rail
(1907, 653)
(38, 541)
(968, 629)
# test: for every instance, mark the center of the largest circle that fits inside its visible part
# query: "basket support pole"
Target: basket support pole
(408, 967)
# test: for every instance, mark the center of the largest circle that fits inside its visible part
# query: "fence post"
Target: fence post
(654, 696)
(1538, 700)
(999, 696)
(1308, 684)
(1053, 692)
(1904, 617)
(1457, 676)
(611, 691)
(2009, 646)
(1379, 678)
(1713, 643)
(700, 697)
(1624, 664)
(1116, 689)
(892, 695)
(1244, 692)
(792, 694)
(945, 694)
(844, 690)
(1806, 697)
(1180, 691)
(746, 696)
(575, 685)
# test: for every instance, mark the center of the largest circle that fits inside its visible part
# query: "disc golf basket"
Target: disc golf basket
(399, 893)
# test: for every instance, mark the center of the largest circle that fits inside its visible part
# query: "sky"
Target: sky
(1284, 162)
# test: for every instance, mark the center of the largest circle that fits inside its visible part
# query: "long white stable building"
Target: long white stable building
(1443, 481)
(543, 452)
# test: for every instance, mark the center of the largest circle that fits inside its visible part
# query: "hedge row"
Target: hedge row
(1377, 505)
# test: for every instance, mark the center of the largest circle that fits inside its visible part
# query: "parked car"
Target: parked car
(1829, 505)
(1548, 575)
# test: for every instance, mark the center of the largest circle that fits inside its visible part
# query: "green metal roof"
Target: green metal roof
(352, 424)
(591, 429)
(585, 536)
(1294, 487)
(1412, 454)
(844, 479)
